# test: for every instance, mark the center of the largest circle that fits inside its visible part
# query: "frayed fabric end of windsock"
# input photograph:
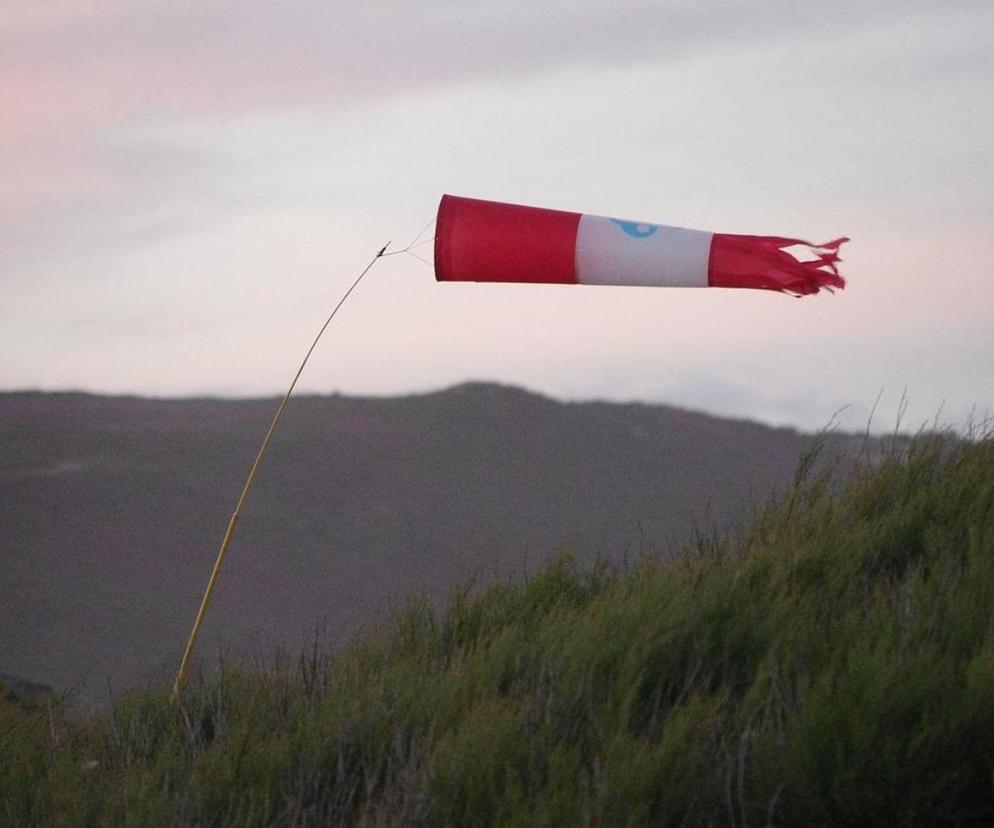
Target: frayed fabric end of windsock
(764, 263)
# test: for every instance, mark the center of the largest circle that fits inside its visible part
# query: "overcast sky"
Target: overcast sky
(187, 187)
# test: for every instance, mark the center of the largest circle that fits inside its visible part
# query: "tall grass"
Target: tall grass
(831, 665)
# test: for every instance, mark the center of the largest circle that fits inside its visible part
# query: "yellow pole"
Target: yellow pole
(212, 581)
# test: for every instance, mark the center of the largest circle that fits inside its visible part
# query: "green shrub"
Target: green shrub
(831, 665)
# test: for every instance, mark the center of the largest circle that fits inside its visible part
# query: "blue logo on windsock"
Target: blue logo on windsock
(636, 229)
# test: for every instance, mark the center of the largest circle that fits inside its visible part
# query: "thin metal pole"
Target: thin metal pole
(212, 582)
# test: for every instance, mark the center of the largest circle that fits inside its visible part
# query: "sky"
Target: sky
(188, 187)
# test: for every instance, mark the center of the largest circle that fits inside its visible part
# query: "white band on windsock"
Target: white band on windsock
(614, 252)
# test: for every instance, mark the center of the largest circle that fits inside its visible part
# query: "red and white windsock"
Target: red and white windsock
(487, 241)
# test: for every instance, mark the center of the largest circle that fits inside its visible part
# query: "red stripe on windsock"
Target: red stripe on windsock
(762, 262)
(487, 241)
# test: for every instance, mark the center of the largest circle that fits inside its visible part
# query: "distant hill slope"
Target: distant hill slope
(832, 665)
(111, 509)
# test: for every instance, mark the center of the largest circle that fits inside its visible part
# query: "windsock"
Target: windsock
(487, 241)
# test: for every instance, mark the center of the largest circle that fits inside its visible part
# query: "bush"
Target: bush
(831, 665)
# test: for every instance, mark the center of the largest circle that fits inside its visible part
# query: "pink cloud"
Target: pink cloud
(74, 74)
(27, 17)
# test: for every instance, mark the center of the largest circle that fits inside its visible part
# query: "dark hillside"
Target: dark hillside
(833, 665)
(111, 510)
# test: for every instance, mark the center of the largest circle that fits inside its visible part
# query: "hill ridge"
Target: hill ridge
(111, 509)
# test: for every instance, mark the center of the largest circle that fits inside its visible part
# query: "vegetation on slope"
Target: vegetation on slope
(833, 664)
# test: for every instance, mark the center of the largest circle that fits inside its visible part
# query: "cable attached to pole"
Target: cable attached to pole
(233, 522)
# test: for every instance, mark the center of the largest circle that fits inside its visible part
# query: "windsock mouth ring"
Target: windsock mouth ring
(443, 262)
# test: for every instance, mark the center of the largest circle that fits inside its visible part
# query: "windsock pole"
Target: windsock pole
(233, 522)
